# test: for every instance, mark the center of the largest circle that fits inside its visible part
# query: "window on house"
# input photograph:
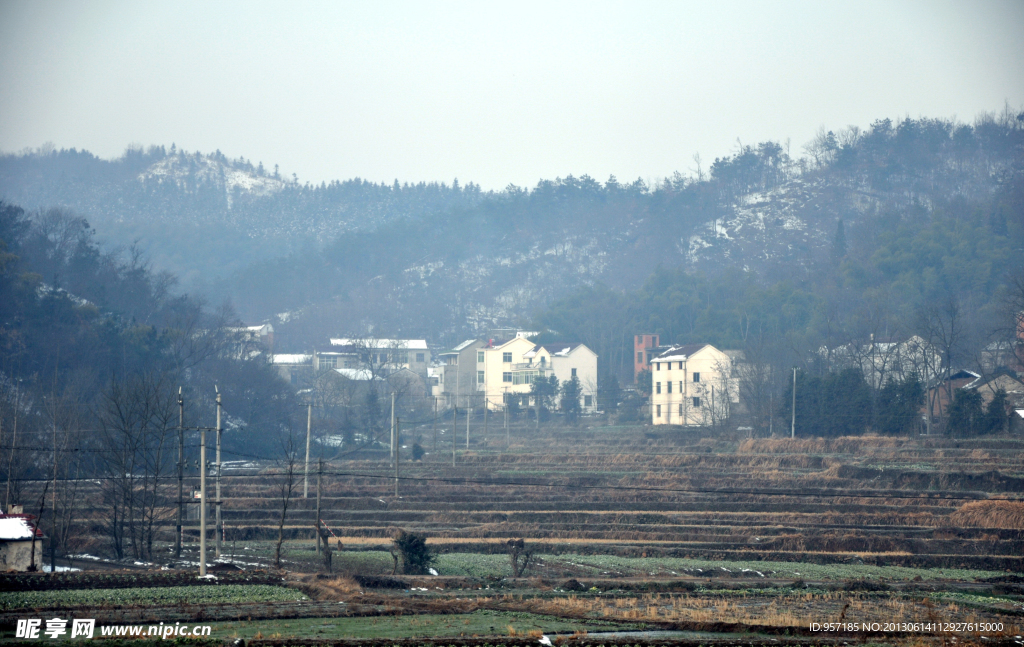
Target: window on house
(657, 366)
(640, 357)
(650, 356)
(681, 389)
(588, 400)
(696, 402)
(680, 366)
(659, 410)
(506, 377)
(420, 357)
(669, 384)
(657, 387)
(479, 357)
(506, 358)
(328, 362)
(543, 361)
(680, 410)
(574, 372)
(479, 377)
(696, 377)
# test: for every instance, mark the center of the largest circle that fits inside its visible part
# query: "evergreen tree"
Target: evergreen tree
(570, 404)
(898, 407)
(995, 413)
(965, 414)
(838, 404)
(839, 243)
(609, 393)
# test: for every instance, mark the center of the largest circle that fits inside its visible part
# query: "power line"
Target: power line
(821, 494)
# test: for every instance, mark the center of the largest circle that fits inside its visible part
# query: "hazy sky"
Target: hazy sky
(491, 92)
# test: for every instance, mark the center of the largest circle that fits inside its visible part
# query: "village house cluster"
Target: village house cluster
(476, 373)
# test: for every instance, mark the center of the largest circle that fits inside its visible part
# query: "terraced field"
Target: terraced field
(629, 493)
(657, 530)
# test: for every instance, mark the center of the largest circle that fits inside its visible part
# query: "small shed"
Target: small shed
(16, 539)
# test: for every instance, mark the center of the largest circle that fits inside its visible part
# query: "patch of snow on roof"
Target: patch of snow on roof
(15, 528)
(292, 358)
(357, 374)
(405, 344)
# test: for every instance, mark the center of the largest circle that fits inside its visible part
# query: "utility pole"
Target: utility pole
(435, 425)
(14, 443)
(397, 446)
(485, 418)
(202, 502)
(181, 472)
(455, 423)
(220, 526)
(394, 444)
(508, 442)
(469, 414)
(792, 428)
(309, 429)
(319, 475)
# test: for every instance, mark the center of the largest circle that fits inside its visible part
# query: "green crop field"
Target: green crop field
(228, 593)
(479, 623)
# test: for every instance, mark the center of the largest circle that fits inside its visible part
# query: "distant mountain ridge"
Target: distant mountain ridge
(205, 216)
(439, 261)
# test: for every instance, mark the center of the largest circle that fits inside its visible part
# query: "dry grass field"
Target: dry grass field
(891, 540)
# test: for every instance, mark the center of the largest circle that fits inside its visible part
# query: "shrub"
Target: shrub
(412, 552)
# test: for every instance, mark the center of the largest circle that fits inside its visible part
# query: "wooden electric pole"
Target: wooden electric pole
(202, 502)
(792, 428)
(181, 473)
(398, 445)
(220, 525)
(309, 429)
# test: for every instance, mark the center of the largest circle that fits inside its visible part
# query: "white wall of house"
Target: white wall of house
(692, 387)
(503, 369)
(568, 361)
(459, 374)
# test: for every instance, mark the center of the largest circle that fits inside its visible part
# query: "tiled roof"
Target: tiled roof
(679, 352)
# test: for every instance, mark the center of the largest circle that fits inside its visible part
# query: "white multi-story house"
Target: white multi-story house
(881, 360)
(504, 370)
(458, 375)
(478, 373)
(692, 385)
(512, 367)
(379, 356)
(566, 362)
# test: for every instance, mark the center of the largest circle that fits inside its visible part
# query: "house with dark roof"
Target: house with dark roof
(941, 390)
(692, 385)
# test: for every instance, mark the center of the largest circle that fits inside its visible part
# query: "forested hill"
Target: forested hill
(926, 206)
(896, 213)
(205, 216)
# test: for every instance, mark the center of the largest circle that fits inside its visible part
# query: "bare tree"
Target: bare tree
(136, 416)
(944, 327)
(286, 488)
(62, 416)
(518, 556)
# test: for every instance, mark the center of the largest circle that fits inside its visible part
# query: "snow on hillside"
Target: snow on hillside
(187, 170)
(787, 222)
